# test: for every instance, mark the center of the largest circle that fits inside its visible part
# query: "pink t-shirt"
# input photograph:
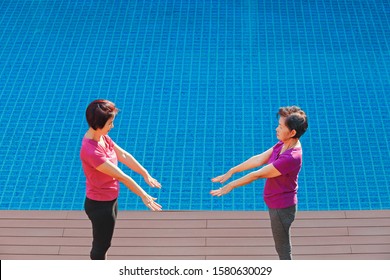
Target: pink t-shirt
(281, 191)
(100, 186)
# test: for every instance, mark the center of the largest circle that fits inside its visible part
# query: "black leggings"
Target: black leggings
(103, 217)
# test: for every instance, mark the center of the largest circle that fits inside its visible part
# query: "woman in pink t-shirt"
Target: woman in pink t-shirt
(99, 156)
(282, 165)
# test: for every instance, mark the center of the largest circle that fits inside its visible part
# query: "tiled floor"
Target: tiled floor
(196, 235)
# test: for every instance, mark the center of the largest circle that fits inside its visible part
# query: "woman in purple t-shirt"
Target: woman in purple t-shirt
(282, 165)
(99, 156)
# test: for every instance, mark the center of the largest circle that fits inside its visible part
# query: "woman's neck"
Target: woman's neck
(93, 135)
(289, 144)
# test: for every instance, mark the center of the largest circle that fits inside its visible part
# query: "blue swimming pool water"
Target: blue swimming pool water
(198, 84)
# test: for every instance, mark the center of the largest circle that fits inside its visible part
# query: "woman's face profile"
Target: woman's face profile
(283, 133)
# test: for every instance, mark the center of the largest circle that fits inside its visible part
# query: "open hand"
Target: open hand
(151, 203)
(222, 178)
(222, 191)
(152, 182)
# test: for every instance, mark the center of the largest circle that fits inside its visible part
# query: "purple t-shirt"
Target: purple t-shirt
(281, 191)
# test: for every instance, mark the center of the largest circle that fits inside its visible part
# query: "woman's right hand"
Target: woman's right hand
(151, 203)
(222, 178)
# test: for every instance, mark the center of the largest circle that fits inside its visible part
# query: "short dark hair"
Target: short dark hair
(296, 119)
(99, 112)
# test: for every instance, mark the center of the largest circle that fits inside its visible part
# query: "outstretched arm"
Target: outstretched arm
(114, 171)
(251, 163)
(268, 171)
(128, 160)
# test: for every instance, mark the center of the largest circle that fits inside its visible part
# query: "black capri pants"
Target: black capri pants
(103, 216)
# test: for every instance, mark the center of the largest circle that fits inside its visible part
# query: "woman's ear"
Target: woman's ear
(293, 133)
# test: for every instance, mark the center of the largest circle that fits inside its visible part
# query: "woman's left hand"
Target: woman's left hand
(222, 191)
(152, 182)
